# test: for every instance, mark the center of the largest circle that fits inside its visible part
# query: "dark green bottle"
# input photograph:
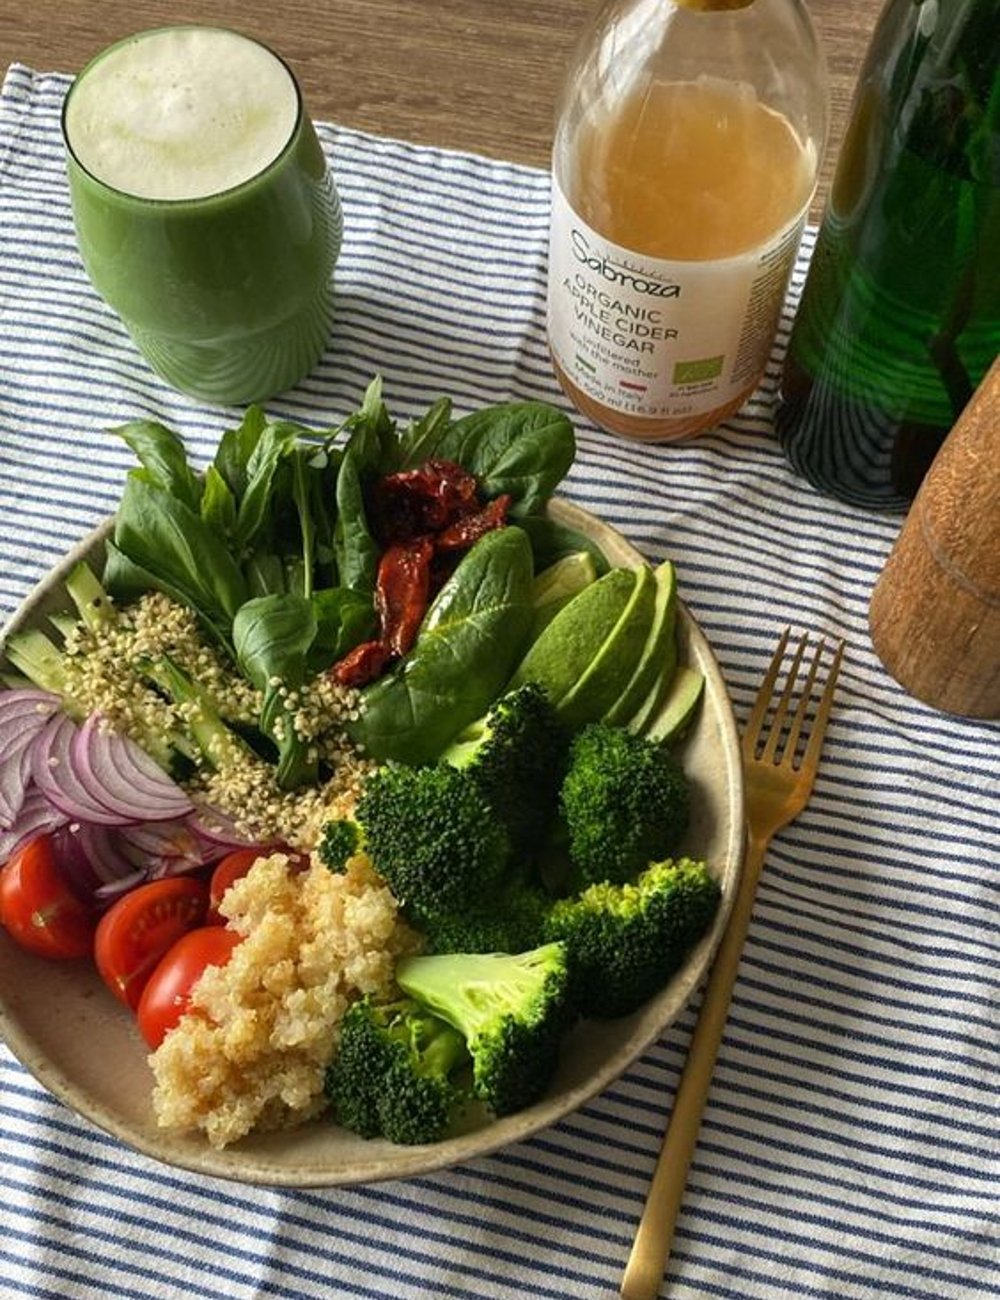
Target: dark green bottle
(900, 315)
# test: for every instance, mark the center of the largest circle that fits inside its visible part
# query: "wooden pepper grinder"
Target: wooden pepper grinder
(935, 610)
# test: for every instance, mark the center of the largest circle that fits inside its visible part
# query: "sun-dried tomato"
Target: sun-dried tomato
(463, 532)
(424, 500)
(401, 592)
(362, 664)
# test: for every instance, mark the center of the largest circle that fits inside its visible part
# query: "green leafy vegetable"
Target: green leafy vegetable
(468, 644)
(520, 448)
(162, 453)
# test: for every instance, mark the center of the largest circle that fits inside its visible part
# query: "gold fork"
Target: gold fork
(778, 784)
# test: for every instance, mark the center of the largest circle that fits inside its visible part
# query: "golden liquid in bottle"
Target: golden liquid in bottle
(688, 171)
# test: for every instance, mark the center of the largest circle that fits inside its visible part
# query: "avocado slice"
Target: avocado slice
(674, 717)
(613, 665)
(556, 586)
(649, 669)
(573, 639)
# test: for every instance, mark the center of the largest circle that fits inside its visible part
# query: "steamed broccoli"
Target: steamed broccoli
(625, 802)
(625, 941)
(510, 1010)
(431, 836)
(511, 921)
(394, 1072)
(516, 755)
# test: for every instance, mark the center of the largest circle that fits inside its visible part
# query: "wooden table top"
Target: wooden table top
(480, 75)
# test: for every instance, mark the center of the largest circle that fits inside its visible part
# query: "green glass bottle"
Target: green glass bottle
(900, 315)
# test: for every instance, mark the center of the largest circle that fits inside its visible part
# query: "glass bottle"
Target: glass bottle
(900, 315)
(687, 142)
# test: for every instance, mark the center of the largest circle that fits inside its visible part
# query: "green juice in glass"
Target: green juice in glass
(205, 213)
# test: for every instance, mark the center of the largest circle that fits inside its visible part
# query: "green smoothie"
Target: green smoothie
(205, 213)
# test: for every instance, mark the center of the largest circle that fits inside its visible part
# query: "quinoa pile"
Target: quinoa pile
(257, 1057)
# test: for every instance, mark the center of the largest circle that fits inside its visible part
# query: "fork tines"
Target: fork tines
(776, 732)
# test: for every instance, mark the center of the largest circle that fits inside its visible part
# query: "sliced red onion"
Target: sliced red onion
(216, 827)
(115, 888)
(36, 817)
(117, 773)
(20, 723)
(72, 857)
(156, 841)
(105, 852)
(54, 775)
(15, 703)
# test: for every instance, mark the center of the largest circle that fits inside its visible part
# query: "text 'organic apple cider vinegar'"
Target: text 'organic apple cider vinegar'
(685, 158)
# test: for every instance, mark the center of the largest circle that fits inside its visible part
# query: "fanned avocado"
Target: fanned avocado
(659, 655)
(570, 643)
(613, 665)
(674, 716)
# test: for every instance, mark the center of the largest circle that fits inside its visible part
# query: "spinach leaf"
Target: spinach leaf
(418, 443)
(183, 555)
(272, 636)
(550, 541)
(524, 448)
(468, 645)
(344, 619)
(355, 549)
(126, 581)
(162, 453)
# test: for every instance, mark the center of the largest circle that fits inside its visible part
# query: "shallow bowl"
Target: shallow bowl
(64, 1026)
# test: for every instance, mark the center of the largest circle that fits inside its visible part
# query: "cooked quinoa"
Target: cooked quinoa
(257, 1054)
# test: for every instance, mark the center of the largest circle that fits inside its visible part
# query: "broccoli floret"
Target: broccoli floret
(431, 836)
(512, 922)
(339, 841)
(394, 1072)
(511, 1011)
(625, 802)
(625, 941)
(516, 754)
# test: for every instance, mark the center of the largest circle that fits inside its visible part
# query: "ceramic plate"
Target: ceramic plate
(65, 1027)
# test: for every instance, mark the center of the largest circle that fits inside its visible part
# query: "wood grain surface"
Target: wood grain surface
(480, 75)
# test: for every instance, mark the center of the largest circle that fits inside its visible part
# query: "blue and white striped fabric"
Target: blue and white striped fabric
(850, 1145)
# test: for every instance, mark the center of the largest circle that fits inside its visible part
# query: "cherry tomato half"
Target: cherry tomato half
(234, 866)
(135, 932)
(167, 995)
(39, 908)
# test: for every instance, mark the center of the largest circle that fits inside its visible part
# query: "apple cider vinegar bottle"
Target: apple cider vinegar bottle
(687, 144)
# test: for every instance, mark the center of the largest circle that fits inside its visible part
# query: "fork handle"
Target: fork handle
(654, 1237)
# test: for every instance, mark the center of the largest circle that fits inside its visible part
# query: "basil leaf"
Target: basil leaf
(162, 453)
(272, 636)
(126, 580)
(218, 505)
(264, 573)
(160, 534)
(274, 443)
(355, 549)
(236, 446)
(524, 448)
(468, 645)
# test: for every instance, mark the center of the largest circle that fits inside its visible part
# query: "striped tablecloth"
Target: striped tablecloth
(850, 1144)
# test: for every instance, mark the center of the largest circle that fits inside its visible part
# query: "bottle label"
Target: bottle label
(645, 336)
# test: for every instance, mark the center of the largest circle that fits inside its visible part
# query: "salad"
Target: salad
(352, 769)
